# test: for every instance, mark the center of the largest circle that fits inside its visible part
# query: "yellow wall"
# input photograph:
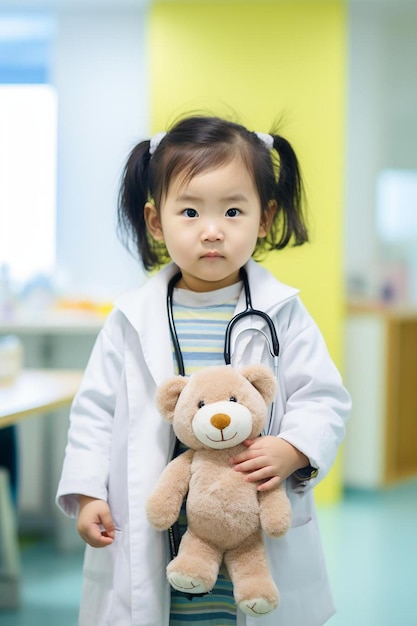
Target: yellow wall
(259, 61)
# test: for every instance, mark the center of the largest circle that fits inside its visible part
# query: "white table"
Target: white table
(37, 391)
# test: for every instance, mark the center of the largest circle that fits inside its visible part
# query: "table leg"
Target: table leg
(9, 549)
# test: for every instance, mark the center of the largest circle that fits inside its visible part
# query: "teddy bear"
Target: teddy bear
(212, 412)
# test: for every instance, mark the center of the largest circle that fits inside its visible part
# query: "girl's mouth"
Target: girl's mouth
(212, 255)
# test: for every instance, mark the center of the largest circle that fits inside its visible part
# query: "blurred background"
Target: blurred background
(81, 82)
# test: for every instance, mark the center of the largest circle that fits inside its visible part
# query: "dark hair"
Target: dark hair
(197, 144)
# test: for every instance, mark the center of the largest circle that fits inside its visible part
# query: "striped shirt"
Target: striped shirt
(200, 322)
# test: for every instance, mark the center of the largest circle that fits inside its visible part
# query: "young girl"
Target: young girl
(208, 195)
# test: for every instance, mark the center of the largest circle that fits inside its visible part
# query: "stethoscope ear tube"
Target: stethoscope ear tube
(171, 322)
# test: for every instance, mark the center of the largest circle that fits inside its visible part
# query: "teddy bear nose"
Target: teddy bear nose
(220, 420)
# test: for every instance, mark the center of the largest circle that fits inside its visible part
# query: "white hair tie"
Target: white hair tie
(155, 141)
(268, 140)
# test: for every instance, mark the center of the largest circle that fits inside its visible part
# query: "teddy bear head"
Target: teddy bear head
(217, 407)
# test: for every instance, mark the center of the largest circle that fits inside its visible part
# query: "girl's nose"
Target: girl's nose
(212, 232)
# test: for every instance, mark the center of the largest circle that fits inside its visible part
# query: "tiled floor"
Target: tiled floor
(371, 544)
(50, 588)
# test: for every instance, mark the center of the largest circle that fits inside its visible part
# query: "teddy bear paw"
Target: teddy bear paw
(257, 607)
(187, 584)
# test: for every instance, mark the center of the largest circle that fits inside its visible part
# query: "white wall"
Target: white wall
(100, 73)
(382, 122)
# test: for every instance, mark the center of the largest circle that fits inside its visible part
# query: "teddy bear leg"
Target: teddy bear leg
(254, 589)
(196, 567)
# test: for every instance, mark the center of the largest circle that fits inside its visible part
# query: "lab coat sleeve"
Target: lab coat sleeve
(317, 404)
(87, 454)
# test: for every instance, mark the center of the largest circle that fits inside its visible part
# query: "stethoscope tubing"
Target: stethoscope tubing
(249, 311)
(272, 342)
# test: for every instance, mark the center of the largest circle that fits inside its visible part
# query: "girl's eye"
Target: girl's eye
(233, 399)
(190, 213)
(201, 404)
(232, 212)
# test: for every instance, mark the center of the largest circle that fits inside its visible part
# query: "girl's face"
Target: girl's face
(210, 225)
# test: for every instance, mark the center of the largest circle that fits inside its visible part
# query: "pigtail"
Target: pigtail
(133, 194)
(289, 196)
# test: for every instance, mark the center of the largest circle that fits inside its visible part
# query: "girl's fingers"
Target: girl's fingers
(263, 473)
(250, 465)
(96, 537)
(108, 525)
(267, 485)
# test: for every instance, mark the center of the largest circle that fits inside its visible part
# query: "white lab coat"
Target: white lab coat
(118, 445)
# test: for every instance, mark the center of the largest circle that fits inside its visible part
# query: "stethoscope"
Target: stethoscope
(230, 339)
(231, 334)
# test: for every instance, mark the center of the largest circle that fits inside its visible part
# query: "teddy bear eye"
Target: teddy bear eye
(233, 399)
(201, 404)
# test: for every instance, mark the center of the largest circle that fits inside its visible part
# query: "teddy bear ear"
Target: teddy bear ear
(167, 396)
(263, 379)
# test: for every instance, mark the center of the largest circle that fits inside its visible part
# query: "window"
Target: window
(28, 120)
(397, 207)
(27, 179)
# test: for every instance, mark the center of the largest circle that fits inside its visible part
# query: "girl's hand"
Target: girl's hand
(95, 524)
(268, 460)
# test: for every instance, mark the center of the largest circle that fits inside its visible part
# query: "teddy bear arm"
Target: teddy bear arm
(164, 503)
(275, 511)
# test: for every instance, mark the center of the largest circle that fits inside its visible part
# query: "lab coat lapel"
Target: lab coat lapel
(146, 310)
(268, 295)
